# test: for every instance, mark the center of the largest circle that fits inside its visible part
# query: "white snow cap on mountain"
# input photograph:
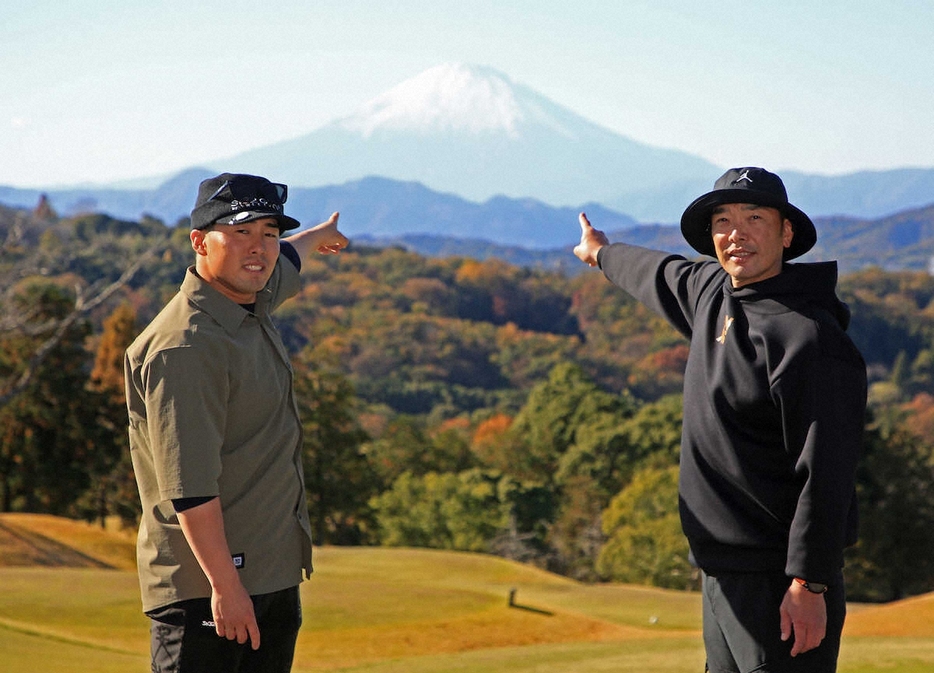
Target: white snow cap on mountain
(453, 97)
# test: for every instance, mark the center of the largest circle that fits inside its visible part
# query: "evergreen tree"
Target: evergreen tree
(645, 544)
(461, 511)
(51, 441)
(893, 557)
(555, 412)
(339, 478)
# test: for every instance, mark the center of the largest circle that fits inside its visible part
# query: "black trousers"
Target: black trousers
(742, 625)
(183, 638)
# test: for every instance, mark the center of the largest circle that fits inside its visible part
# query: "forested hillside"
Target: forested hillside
(448, 403)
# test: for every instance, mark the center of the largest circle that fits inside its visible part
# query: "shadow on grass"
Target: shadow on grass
(527, 608)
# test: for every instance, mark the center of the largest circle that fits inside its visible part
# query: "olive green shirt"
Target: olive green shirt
(212, 413)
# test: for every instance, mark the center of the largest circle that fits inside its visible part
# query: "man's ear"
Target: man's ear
(197, 241)
(788, 232)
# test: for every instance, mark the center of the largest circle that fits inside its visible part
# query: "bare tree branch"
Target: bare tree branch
(84, 304)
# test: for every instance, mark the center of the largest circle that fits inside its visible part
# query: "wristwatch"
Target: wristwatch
(813, 587)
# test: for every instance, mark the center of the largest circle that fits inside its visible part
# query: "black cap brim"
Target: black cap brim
(285, 222)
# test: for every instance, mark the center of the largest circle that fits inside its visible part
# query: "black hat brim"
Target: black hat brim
(286, 223)
(695, 222)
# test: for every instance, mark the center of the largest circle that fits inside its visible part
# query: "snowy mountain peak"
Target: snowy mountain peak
(450, 97)
(473, 131)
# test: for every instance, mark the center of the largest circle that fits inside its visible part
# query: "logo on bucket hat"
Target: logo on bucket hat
(236, 198)
(746, 185)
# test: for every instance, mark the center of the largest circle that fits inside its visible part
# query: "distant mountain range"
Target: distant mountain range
(378, 211)
(372, 206)
(464, 152)
(472, 131)
(900, 242)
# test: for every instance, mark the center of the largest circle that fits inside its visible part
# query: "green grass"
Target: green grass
(383, 610)
(411, 585)
(372, 607)
(657, 656)
(25, 652)
(887, 655)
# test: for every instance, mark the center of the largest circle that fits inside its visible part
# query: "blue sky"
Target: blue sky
(105, 90)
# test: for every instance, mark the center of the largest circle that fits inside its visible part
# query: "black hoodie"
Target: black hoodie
(774, 403)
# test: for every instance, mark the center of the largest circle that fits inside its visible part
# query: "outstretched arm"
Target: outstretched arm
(325, 238)
(591, 242)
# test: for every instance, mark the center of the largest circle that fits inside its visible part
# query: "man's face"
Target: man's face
(749, 241)
(237, 259)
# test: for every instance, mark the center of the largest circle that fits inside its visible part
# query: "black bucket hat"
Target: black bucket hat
(235, 198)
(746, 185)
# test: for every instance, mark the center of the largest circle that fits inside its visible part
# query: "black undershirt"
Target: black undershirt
(181, 504)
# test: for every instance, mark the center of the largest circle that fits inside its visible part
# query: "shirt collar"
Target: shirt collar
(228, 314)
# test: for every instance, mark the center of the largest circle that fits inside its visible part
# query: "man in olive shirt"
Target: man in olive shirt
(216, 440)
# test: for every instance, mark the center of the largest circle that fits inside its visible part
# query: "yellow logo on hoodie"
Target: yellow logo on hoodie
(727, 323)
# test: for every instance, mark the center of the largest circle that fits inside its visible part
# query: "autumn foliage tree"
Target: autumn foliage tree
(52, 440)
(447, 402)
(114, 492)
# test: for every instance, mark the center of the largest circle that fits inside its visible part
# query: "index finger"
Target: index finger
(584, 221)
(785, 624)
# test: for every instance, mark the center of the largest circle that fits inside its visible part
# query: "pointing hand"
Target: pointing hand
(591, 242)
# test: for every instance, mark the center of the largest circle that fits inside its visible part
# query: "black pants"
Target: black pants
(742, 626)
(184, 639)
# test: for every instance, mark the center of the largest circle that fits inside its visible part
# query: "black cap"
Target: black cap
(235, 198)
(746, 185)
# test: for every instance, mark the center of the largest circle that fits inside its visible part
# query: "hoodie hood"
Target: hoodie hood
(798, 285)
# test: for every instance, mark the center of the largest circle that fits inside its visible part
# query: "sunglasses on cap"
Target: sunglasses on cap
(251, 192)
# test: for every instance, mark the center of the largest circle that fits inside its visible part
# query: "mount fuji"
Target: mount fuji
(472, 131)
(463, 151)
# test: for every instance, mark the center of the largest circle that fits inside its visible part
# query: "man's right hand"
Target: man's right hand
(803, 615)
(591, 242)
(231, 604)
(234, 618)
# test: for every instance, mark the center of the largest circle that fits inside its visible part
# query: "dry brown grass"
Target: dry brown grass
(495, 628)
(912, 617)
(51, 541)
(369, 606)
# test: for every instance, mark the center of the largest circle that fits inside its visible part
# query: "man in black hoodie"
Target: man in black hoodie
(774, 402)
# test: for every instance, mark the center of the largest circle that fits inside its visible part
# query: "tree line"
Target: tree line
(447, 403)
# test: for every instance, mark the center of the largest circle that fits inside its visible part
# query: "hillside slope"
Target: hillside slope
(50, 541)
(390, 609)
